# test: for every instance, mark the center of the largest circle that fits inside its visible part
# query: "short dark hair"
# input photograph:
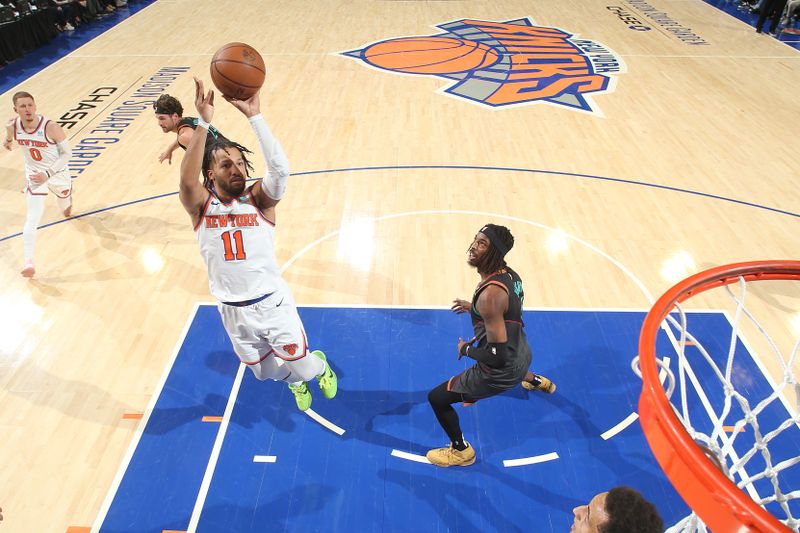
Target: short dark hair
(168, 105)
(629, 512)
(21, 94)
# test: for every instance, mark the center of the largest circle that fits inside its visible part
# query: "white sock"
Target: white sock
(307, 368)
(32, 219)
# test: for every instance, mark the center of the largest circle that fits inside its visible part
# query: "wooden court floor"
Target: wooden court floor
(688, 158)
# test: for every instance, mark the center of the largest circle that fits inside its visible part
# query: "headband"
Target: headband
(490, 233)
(159, 109)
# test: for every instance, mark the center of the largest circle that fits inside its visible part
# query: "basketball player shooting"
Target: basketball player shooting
(235, 228)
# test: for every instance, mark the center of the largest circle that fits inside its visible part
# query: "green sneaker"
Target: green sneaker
(301, 395)
(328, 383)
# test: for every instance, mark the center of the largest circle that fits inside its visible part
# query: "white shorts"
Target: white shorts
(271, 326)
(59, 184)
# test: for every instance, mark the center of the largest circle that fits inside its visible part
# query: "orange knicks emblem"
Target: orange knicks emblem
(290, 349)
(501, 64)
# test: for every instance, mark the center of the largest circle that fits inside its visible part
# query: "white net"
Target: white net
(748, 424)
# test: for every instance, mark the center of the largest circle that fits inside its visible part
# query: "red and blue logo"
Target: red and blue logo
(503, 64)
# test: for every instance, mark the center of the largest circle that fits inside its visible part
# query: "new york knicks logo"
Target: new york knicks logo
(502, 64)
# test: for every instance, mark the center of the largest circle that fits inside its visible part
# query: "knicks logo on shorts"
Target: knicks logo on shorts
(291, 349)
(502, 64)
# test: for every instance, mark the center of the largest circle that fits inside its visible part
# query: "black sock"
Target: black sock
(460, 445)
(535, 381)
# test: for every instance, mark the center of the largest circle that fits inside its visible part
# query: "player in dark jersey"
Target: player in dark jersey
(501, 346)
(169, 113)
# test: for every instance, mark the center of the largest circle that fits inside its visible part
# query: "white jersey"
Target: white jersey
(236, 242)
(40, 151)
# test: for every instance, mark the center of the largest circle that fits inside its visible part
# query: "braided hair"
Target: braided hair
(221, 143)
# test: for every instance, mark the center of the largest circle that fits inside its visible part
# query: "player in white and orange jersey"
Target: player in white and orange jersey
(235, 226)
(47, 152)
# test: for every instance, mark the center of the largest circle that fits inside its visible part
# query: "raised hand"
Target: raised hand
(461, 306)
(204, 102)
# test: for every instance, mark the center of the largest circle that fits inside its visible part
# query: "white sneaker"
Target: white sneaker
(68, 27)
(28, 270)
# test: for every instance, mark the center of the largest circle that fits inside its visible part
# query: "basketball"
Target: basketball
(431, 55)
(237, 70)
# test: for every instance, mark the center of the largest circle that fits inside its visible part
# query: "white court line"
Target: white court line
(126, 460)
(410, 456)
(630, 419)
(633, 417)
(323, 421)
(264, 458)
(508, 463)
(212, 460)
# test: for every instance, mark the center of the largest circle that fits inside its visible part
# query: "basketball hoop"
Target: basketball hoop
(708, 486)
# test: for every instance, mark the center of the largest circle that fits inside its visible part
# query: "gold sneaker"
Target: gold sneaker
(545, 385)
(451, 457)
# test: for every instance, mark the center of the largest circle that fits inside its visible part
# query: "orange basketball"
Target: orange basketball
(430, 55)
(237, 70)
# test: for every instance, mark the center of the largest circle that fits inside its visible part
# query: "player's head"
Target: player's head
(225, 167)
(489, 248)
(24, 105)
(169, 112)
(619, 510)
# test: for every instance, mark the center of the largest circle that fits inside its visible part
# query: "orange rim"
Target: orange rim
(716, 499)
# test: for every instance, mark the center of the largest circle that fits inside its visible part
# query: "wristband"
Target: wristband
(202, 123)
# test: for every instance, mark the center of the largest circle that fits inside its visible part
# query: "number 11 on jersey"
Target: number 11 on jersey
(240, 254)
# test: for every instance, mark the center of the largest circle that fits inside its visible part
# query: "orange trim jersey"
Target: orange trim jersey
(40, 152)
(237, 243)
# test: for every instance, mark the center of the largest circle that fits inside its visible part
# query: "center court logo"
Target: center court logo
(503, 64)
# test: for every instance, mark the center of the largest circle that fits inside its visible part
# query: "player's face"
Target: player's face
(229, 171)
(589, 518)
(167, 122)
(478, 248)
(25, 108)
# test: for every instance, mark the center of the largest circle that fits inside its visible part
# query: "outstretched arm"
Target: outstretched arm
(269, 191)
(166, 155)
(192, 193)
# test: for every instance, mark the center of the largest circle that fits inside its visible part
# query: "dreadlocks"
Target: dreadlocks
(221, 143)
(502, 241)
